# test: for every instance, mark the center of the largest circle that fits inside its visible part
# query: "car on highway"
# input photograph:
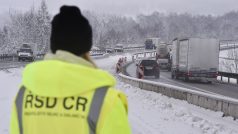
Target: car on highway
(25, 53)
(147, 67)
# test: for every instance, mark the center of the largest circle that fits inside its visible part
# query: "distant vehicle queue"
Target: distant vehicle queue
(187, 59)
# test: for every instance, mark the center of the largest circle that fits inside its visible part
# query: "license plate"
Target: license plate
(149, 68)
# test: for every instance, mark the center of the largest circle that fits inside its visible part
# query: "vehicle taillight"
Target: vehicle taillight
(189, 73)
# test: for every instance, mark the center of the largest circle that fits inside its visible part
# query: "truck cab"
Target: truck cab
(163, 56)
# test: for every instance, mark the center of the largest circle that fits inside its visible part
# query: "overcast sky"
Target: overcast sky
(130, 7)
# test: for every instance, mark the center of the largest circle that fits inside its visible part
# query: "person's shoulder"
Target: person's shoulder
(117, 95)
(117, 92)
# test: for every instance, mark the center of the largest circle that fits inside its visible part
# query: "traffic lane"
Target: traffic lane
(226, 89)
(131, 70)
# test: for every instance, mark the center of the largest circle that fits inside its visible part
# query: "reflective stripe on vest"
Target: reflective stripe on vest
(19, 102)
(95, 108)
(93, 115)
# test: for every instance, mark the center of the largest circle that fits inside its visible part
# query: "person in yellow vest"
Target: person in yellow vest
(66, 93)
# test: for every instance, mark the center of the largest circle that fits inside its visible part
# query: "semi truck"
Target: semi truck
(163, 56)
(25, 53)
(195, 59)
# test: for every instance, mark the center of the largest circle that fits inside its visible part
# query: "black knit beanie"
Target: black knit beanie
(71, 31)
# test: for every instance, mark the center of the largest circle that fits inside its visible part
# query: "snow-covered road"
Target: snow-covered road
(149, 112)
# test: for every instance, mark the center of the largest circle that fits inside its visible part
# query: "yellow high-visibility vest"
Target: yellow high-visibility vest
(63, 98)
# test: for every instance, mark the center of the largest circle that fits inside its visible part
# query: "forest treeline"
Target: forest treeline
(34, 27)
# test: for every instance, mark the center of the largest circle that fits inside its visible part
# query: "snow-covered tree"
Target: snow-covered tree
(31, 27)
(43, 27)
(34, 27)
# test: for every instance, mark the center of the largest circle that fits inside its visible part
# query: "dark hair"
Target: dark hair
(71, 31)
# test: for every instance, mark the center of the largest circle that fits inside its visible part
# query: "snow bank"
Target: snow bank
(152, 113)
(227, 60)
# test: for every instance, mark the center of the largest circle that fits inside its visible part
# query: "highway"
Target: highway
(225, 89)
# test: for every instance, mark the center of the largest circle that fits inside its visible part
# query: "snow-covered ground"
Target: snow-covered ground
(9, 81)
(149, 112)
(228, 60)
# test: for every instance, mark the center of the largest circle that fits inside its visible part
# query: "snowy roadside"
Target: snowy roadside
(149, 112)
(9, 81)
(154, 113)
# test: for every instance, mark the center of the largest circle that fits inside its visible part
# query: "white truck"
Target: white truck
(163, 56)
(195, 59)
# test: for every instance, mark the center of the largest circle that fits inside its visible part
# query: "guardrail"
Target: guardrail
(7, 57)
(14, 57)
(133, 48)
(146, 54)
(228, 106)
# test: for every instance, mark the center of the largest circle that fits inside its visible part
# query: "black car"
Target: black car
(149, 67)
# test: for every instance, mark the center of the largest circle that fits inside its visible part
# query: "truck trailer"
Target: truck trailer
(195, 59)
